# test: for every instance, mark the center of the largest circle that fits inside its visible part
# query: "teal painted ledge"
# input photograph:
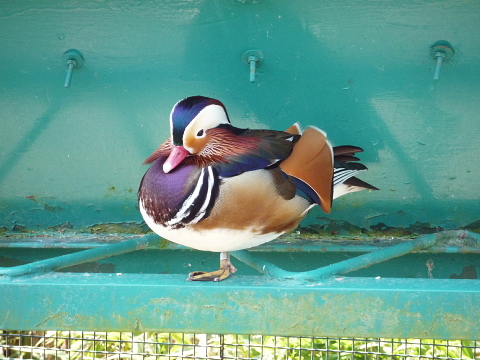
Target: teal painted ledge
(357, 307)
(422, 288)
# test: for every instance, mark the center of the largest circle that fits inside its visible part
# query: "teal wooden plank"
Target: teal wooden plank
(123, 299)
(361, 307)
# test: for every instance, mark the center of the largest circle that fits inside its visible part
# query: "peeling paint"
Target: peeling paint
(468, 272)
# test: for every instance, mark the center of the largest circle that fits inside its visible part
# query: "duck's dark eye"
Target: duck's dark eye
(200, 133)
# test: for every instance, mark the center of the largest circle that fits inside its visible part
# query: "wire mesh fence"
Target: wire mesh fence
(169, 346)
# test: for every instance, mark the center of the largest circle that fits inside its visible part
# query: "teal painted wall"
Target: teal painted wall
(361, 70)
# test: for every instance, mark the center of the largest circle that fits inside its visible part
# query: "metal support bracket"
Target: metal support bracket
(253, 58)
(441, 51)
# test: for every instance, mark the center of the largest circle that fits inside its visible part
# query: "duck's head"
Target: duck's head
(190, 121)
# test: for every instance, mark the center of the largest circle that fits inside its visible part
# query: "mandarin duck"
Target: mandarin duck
(215, 187)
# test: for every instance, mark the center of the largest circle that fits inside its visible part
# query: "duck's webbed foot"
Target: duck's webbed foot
(226, 268)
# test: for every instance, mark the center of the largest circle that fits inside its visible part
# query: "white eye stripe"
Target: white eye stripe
(209, 117)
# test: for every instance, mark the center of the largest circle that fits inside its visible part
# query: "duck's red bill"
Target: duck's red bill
(178, 154)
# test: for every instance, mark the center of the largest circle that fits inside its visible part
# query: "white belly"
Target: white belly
(217, 240)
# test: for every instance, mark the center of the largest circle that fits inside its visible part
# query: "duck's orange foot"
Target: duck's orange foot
(226, 268)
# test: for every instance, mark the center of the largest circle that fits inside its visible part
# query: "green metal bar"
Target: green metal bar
(261, 265)
(339, 268)
(81, 257)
